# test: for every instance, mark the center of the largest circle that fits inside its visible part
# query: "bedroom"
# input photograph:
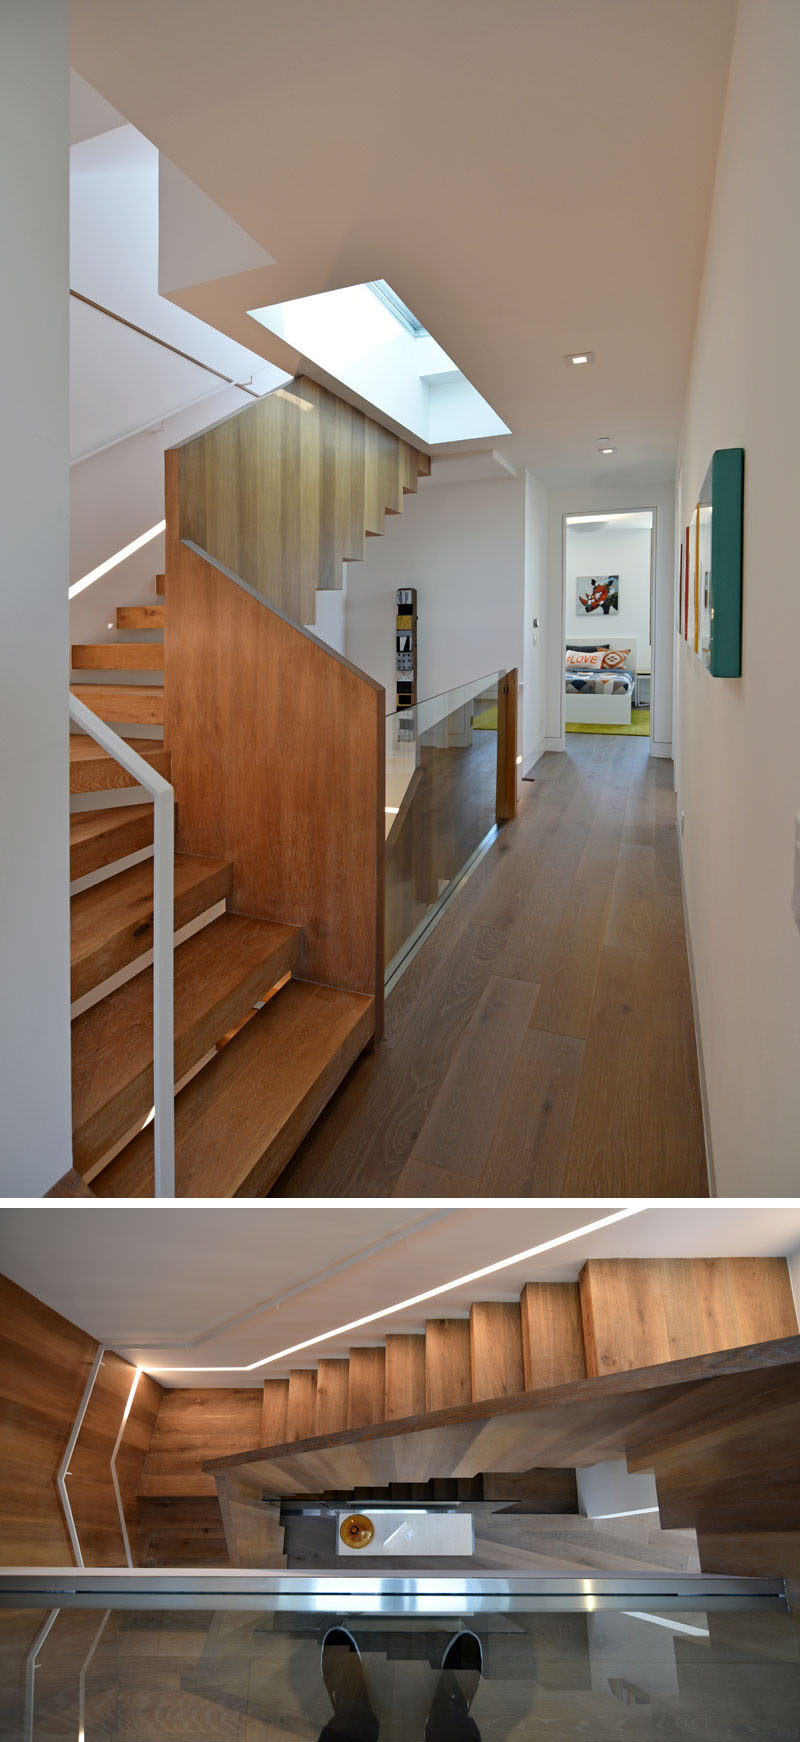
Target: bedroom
(608, 638)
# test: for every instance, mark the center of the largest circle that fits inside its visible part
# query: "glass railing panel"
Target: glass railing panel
(558, 1665)
(441, 789)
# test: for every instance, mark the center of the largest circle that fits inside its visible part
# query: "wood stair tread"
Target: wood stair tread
(97, 838)
(93, 770)
(121, 701)
(112, 923)
(240, 1120)
(139, 617)
(219, 975)
(118, 656)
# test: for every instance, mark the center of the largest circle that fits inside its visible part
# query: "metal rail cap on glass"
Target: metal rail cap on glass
(163, 797)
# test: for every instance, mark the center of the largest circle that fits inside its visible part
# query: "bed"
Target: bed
(596, 696)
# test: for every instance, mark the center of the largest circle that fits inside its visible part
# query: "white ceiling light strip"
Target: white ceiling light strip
(412, 1300)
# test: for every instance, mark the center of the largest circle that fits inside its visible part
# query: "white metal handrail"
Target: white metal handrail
(163, 797)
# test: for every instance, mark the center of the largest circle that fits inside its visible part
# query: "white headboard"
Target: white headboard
(616, 641)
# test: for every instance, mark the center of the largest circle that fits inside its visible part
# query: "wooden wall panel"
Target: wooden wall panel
(640, 1311)
(367, 1386)
(507, 735)
(194, 1425)
(180, 1533)
(278, 749)
(274, 1412)
(283, 491)
(90, 1487)
(45, 1363)
(302, 1407)
(552, 1334)
(333, 1377)
(448, 1374)
(405, 1375)
(496, 1348)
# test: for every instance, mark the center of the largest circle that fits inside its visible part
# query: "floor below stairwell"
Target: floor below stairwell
(542, 1041)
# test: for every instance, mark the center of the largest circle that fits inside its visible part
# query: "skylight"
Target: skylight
(366, 337)
(391, 300)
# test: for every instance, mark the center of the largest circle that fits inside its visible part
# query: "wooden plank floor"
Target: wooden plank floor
(542, 1040)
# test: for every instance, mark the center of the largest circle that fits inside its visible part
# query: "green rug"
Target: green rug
(486, 720)
(638, 728)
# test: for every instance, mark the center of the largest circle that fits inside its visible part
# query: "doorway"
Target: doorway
(608, 618)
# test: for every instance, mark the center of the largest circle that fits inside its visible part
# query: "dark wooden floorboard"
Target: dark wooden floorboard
(542, 1040)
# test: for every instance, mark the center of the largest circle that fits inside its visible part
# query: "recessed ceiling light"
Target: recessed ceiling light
(607, 450)
(579, 357)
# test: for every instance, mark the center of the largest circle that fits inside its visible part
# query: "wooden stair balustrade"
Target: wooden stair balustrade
(313, 478)
(275, 747)
(589, 1421)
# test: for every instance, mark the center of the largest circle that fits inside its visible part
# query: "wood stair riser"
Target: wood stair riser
(366, 1387)
(100, 838)
(119, 656)
(123, 703)
(219, 975)
(139, 617)
(112, 923)
(231, 1139)
(302, 1402)
(333, 1381)
(91, 770)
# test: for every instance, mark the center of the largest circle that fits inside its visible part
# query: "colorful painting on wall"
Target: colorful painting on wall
(598, 595)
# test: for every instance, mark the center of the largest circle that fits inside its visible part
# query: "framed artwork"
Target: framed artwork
(680, 590)
(597, 595)
(685, 583)
(691, 583)
(720, 535)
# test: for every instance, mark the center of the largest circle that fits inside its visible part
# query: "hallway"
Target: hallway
(542, 1041)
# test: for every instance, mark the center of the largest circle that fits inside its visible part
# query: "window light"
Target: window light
(397, 307)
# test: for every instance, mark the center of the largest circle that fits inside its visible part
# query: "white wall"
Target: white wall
(463, 547)
(605, 1489)
(738, 763)
(614, 498)
(615, 549)
(35, 1133)
(534, 672)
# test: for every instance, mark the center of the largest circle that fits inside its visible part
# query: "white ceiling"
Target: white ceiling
(120, 381)
(532, 178)
(178, 1286)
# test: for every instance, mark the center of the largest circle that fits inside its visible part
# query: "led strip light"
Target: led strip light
(412, 1300)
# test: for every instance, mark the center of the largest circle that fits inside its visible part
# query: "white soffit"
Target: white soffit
(227, 1285)
(197, 241)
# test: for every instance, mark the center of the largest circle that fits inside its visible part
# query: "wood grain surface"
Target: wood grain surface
(281, 758)
(602, 1096)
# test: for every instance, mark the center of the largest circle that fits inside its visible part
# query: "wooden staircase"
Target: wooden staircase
(265, 1029)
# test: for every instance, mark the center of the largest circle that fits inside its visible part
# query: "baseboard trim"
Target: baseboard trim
(658, 748)
(698, 1035)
